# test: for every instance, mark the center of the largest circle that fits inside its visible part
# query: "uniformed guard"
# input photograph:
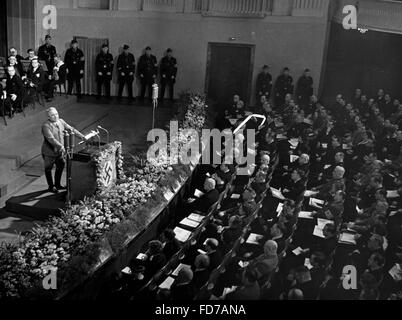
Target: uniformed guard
(104, 68)
(168, 72)
(304, 88)
(126, 70)
(75, 63)
(147, 71)
(283, 86)
(47, 52)
(264, 84)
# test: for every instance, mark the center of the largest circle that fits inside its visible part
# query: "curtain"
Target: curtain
(91, 48)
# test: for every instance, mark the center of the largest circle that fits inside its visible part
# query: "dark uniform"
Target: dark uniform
(47, 54)
(263, 86)
(75, 62)
(147, 70)
(15, 86)
(283, 86)
(304, 89)
(168, 71)
(37, 77)
(126, 69)
(104, 68)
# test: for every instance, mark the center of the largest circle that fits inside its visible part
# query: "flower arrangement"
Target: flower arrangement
(72, 241)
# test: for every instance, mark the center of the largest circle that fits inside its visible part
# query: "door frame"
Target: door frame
(247, 99)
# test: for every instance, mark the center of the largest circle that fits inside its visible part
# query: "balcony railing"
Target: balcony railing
(233, 8)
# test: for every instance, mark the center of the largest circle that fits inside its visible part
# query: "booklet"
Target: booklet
(396, 272)
(347, 238)
(294, 142)
(293, 158)
(279, 208)
(318, 232)
(309, 193)
(306, 215)
(198, 193)
(235, 196)
(196, 217)
(327, 166)
(189, 223)
(297, 251)
(168, 195)
(179, 267)
(308, 264)
(142, 256)
(316, 203)
(277, 193)
(322, 222)
(167, 284)
(181, 234)
(126, 270)
(253, 238)
(391, 194)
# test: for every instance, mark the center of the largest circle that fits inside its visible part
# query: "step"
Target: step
(15, 183)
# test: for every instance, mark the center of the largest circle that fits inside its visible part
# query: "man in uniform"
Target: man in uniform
(75, 62)
(53, 151)
(47, 53)
(104, 68)
(283, 86)
(36, 78)
(147, 70)
(126, 70)
(304, 88)
(264, 84)
(168, 71)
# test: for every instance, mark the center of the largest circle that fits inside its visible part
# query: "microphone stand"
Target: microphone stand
(107, 133)
(69, 147)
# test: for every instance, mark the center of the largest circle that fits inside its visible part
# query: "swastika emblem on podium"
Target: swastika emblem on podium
(107, 174)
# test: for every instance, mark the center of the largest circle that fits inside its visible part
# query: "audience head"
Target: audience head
(276, 231)
(169, 235)
(184, 276)
(295, 294)
(155, 247)
(296, 175)
(235, 222)
(339, 195)
(12, 60)
(265, 159)
(201, 261)
(270, 248)
(209, 184)
(211, 244)
(31, 53)
(376, 261)
(249, 276)
(236, 98)
(57, 58)
(248, 194)
(329, 230)
(11, 71)
(304, 159)
(339, 157)
(35, 62)
(338, 172)
(263, 99)
(13, 51)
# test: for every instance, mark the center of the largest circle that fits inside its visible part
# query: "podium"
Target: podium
(94, 168)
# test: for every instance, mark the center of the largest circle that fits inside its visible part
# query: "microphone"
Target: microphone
(155, 92)
(107, 133)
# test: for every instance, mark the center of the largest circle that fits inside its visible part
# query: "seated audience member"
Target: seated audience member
(331, 186)
(295, 188)
(201, 271)
(36, 76)
(222, 176)
(249, 289)
(266, 263)
(171, 244)
(214, 254)
(183, 289)
(231, 233)
(248, 205)
(31, 54)
(156, 259)
(210, 197)
(14, 89)
(57, 77)
(333, 210)
(295, 294)
(13, 62)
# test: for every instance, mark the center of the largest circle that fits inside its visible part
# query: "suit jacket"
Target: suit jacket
(37, 77)
(47, 54)
(295, 190)
(15, 86)
(53, 133)
(215, 259)
(200, 278)
(206, 201)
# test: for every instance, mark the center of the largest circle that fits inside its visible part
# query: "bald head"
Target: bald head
(338, 172)
(209, 184)
(52, 114)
